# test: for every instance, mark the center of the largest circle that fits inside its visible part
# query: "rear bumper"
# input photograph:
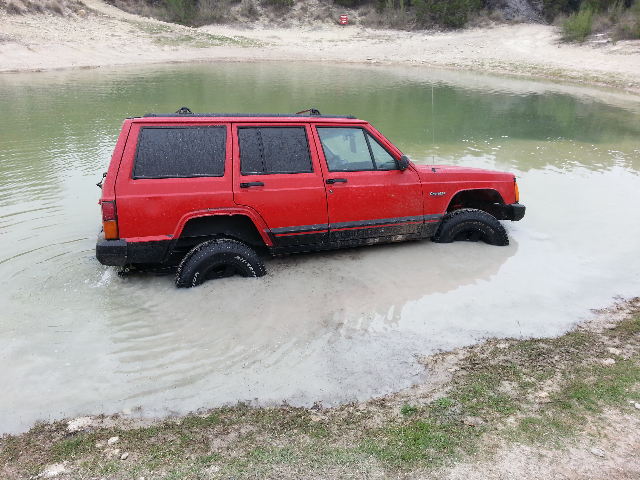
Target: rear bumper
(118, 253)
(111, 252)
(513, 212)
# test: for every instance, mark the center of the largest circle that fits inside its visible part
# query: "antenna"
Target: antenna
(433, 133)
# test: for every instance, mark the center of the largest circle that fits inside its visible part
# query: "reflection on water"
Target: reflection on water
(334, 326)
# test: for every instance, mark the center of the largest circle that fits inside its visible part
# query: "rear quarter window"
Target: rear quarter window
(180, 152)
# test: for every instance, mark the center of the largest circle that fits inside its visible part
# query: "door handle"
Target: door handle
(251, 184)
(336, 180)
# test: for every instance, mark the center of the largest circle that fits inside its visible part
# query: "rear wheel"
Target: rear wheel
(471, 225)
(218, 259)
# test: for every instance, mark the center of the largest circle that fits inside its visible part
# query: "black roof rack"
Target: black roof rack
(186, 112)
(243, 115)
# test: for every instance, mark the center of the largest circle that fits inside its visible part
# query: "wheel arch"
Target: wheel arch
(486, 199)
(237, 225)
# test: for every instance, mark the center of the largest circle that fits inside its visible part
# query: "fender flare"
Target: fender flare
(249, 212)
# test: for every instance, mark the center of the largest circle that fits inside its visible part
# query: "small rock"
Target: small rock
(112, 452)
(503, 345)
(542, 394)
(99, 444)
(112, 440)
(78, 424)
(608, 361)
(53, 470)
(614, 351)
(124, 456)
(453, 369)
(598, 451)
(637, 405)
(82, 13)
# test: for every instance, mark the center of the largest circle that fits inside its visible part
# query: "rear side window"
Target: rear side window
(175, 152)
(268, 150)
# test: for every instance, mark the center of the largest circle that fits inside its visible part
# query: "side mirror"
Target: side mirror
(403, 163)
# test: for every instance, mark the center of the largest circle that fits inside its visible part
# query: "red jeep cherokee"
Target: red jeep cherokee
(205, 191)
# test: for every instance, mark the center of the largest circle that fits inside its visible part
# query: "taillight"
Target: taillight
(517, 191)
(109, 220)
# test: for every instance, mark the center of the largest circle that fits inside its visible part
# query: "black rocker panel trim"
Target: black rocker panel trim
(354, 242)
(292, 239)
(302, 235)
(421, 225)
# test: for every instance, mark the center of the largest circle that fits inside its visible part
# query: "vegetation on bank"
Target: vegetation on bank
(620, 18)
(577, 19)
(535, 392)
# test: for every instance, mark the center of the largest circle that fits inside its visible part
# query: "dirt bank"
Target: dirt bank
(103, 35)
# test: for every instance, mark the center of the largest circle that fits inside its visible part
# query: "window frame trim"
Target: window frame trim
(259, 127)
(183, 127)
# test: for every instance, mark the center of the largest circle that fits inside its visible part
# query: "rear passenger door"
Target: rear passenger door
(278, 175)
(367, 195)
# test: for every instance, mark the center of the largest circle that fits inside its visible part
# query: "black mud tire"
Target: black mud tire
(218, 259)
(471, 225)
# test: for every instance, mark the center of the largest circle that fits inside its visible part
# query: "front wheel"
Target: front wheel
(471, 225)
(218, 259)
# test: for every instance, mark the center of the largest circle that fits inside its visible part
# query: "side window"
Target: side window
(345, 149)
(353, 149)
(382, 159)
(177, 152)
(269, 150)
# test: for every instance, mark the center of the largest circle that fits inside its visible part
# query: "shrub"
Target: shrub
(181, 11)
(629, 24)
(448, 13)
(552, 8)
(578, 25)
(249, 9)
(280, 3)
(350, 3)
(598, 6)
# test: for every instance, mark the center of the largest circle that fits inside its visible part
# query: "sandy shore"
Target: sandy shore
(107, 36)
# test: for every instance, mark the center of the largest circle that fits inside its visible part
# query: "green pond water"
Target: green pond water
(335, 326)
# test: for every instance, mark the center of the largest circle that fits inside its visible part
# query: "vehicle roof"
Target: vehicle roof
(247, 115)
